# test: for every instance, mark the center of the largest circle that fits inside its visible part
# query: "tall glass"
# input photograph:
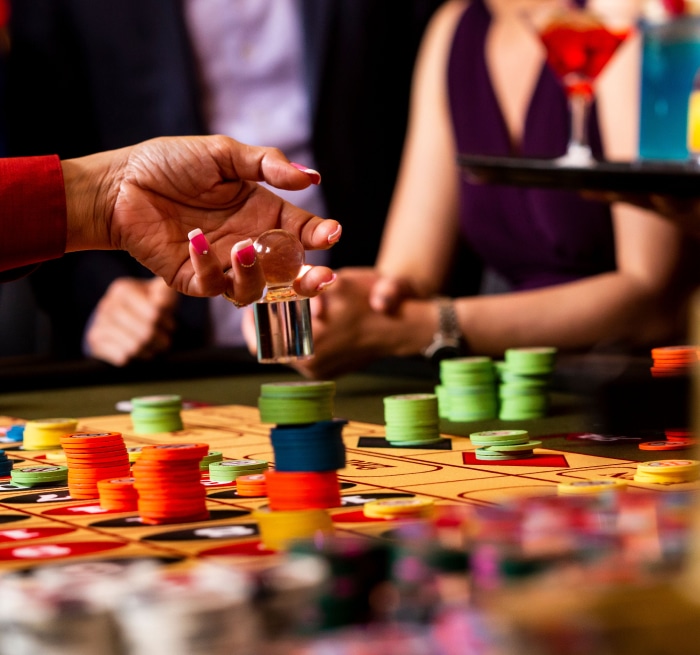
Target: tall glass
(670, 59)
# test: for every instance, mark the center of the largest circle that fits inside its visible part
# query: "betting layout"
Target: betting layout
(49, 520)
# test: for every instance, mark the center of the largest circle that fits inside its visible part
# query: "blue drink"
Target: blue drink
(670, 59)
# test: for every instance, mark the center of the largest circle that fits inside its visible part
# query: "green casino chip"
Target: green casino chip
(412, 418)
(230, 469)
(300, 389)
(536, 360)
(508, 448)
(294, 411)
(499, 437)
(211, 457)
(35, 475)
(483, 454)
(161, 401)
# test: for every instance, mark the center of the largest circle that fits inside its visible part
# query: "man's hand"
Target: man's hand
(133, 320)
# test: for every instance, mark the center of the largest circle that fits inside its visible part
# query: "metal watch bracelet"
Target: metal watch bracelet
(448, 340)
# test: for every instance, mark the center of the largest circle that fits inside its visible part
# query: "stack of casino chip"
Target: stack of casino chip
(118, 494)
(293, 403)
(412, 419)
(154, 414)
(467, 389)
(168, 480)
(308, 447)
(31, 476)
(91, 457)
(253, 486)
(308, 455)
(46, 433)
(231, 469)
(211, 457)
(356, 570)
(668, 471)
(524, 385)
(497, 445)
(673, 361)
(5, 464)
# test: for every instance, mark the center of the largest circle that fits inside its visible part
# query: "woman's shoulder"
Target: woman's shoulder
(442, 26)
(447, 16)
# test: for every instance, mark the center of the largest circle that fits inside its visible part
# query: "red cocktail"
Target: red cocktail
(577, 50)
(580, 41)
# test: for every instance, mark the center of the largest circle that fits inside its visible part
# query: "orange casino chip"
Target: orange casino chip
(117, 486)
(673, 360)
(92, 439)
(251, 485)
(118, 494)
(302, 490)
(185, 451)
(668, 444)
(97, 473)
(168, 480)
(675, 353)
(677, 434)
(98, 463)
(115, 505)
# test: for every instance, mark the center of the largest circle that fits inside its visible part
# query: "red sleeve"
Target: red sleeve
(33, 220)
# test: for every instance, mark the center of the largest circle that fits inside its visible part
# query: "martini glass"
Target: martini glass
(580, 40)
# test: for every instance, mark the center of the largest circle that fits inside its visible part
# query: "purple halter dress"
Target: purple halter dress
(530, 237)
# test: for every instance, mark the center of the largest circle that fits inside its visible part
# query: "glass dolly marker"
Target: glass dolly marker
(282, 318)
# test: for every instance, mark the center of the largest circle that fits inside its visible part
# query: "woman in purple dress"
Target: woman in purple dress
(580, 273)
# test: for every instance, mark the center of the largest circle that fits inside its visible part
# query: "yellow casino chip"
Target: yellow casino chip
(46, 433)
(669, 466)
(389, 508)
(593, 486)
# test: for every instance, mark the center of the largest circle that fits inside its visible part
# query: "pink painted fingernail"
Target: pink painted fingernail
(334, 237)
(324, 285)
(314, 175)
(245, 253)
(199, 241)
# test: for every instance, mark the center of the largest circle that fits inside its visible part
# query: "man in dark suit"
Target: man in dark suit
(92, 75)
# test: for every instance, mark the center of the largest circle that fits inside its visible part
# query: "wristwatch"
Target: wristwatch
(448, 340)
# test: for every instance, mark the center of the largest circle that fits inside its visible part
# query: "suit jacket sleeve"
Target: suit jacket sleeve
(33, 218)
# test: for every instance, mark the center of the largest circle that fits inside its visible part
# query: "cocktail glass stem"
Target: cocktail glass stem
(578, 151)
